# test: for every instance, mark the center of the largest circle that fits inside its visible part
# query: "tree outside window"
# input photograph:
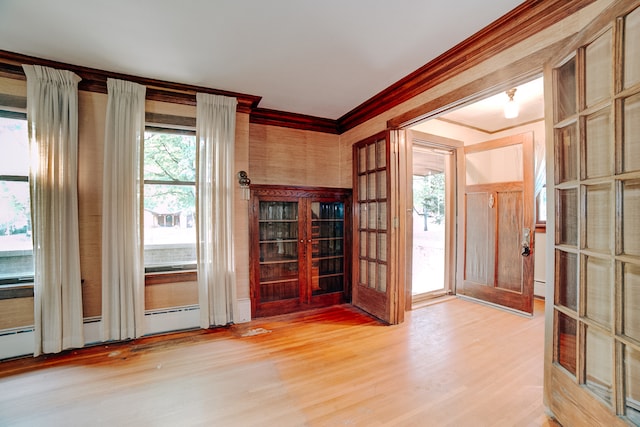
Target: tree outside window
(16, 247)
(428, 198)
(169, 200)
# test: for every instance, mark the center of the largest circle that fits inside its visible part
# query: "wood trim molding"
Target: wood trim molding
(529, 18)
(173, 277)
(298, 190)
(94, 80)
(511, 75)
(19, 291)
(266, 116)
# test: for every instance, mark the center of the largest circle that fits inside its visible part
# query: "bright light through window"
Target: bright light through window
(16, 247)
(169, 201)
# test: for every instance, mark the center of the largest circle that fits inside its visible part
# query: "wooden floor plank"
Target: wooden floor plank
(455, 363)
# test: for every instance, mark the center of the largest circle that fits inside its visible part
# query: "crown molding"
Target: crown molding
(266, 116)
(524, 21)
(95, 80)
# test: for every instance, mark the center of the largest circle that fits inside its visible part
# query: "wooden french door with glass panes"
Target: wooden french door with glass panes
(376, 287)
(592, 375)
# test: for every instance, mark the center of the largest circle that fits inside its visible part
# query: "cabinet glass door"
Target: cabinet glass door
(278, 228)
(327, 247)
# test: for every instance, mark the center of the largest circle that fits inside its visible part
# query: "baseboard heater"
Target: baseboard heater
(171, 319)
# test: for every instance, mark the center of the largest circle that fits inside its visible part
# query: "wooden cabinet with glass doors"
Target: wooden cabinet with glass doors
(300, 243)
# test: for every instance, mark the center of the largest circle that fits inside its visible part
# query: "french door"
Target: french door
(592, 371)
(378, 270)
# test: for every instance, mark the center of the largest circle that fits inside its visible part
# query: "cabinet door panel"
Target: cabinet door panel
(299, 248)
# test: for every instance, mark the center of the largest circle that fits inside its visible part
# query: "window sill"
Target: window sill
(170, 277)
(541, 228)
(16, 291)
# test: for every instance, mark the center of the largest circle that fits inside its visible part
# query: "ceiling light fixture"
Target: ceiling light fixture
(511, 108)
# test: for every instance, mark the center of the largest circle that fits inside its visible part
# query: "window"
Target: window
(169, 200)
(16, 247)
(541, 209)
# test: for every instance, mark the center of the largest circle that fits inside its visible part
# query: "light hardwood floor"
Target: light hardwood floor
(455, 363)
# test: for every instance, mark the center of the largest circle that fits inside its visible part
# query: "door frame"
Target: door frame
(455, 146)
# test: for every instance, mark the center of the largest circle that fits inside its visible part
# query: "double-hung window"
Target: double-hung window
(169, 200)
(16, 247)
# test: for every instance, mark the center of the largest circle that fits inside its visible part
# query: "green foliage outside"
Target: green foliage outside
(14, 195)
(428, 197)
(170, 158)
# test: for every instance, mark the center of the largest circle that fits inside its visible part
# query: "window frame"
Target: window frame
(170, 273)
(18, 286)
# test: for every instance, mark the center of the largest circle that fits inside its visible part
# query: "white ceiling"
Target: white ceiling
(487, 115)
(321, 58)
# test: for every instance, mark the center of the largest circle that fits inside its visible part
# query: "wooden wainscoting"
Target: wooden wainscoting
(452, 363)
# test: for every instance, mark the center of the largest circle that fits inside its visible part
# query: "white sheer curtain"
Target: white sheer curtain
(215, 133)
(52, 115)
(541, 169)
(122, 270)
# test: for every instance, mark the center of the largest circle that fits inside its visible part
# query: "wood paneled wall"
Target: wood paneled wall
(16, 312)
(284, 156)
(92, 110)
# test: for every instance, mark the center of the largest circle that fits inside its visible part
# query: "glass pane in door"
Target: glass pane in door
(598, 145)
(566, 154)
(631, 141)
(327, 247)
(632, 49)
(566, 279)
(566, 332)
(431, 170)
(599, 364)
(599, 223)
(598, 278)
(567, 223)
(598, 71)
(632, 377)
(631, 217)
(278, 227)
(565, 89)
(631, 300)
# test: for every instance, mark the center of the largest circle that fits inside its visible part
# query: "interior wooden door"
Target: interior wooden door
(376, 287)
(592, 370)
(495, 260)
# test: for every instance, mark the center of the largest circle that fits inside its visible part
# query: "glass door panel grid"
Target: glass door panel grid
(372, 208)
(597, 224)
(278, 227)
(327, 247)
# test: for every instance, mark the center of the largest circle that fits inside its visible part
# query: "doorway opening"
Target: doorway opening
(478, 123)
(433, 171)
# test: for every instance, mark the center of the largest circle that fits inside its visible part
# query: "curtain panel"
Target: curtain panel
(215, 134)
(122, 270)
(52, 116)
